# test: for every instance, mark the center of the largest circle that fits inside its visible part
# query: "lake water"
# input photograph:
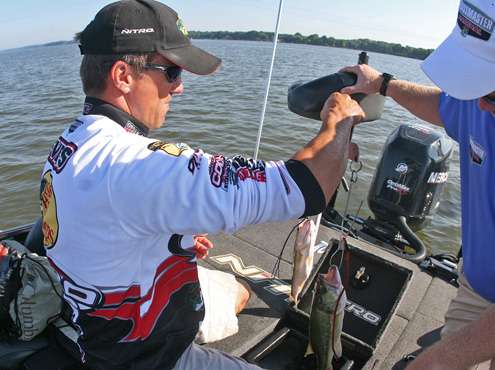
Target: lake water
(40, 94)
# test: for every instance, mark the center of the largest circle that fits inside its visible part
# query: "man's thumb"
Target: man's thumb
(347, 90)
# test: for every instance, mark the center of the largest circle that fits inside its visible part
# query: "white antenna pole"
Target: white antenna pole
(275, 39)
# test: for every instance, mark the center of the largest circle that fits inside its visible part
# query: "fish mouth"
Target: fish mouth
(332, 277)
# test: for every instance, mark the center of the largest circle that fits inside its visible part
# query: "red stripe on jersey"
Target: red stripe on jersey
(170, 277)
(134, 291)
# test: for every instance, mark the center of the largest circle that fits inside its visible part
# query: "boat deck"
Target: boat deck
(251, 254)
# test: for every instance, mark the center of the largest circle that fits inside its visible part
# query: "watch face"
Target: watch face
(386, 79)
(387, 76)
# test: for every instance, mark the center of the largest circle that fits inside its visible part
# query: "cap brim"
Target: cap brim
(458, 72)
(193, 59)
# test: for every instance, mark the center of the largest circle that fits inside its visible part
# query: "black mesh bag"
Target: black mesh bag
(10, 283)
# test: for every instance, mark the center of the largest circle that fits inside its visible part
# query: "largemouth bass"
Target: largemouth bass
(326, 319)
(303, 256)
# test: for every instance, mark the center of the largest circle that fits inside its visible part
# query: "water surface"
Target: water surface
(41, 94)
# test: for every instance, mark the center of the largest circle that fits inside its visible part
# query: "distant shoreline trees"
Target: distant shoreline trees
(314, 39)
(297, 38)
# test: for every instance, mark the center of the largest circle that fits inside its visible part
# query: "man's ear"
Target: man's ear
(121, 76)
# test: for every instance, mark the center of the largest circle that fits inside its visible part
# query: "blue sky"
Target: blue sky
(421, 23)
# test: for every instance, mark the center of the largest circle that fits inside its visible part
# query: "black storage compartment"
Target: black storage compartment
(365, 319)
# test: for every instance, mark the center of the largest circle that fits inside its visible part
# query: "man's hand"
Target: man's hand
(340, 107)
(368, 81)
(472, 344)
(201, 246)
(422, 101)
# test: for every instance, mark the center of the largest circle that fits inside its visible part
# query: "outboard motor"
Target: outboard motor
(408, 182)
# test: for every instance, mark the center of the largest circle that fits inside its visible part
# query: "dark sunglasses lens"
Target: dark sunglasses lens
(173, 73)
(489, 99)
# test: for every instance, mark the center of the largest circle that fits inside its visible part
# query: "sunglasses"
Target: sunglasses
(172, 73)
(490, 98)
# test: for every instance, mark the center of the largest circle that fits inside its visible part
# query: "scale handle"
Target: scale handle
(363, 58)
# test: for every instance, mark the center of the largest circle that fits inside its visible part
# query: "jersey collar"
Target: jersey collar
(129, 123)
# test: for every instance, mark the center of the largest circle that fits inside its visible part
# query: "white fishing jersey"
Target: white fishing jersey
(119, 214)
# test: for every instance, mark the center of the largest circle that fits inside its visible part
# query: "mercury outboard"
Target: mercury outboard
(407, 185)
(405, 191)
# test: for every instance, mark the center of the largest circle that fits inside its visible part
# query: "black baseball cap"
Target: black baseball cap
(141, 27)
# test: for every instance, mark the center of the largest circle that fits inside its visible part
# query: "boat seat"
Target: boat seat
(34, 239)
(13, 353)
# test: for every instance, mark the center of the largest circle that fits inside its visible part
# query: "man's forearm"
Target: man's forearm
(471, 345)
(420, 100)
(326, 155)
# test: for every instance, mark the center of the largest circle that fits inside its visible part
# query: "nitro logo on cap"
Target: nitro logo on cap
(133, 31)
(474, 22)
(182, 28)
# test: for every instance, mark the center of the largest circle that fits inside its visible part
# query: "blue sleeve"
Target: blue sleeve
(450, 111)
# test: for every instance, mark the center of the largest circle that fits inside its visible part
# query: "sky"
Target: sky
(418, 23)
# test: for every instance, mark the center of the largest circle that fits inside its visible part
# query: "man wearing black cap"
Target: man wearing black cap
(121, 211)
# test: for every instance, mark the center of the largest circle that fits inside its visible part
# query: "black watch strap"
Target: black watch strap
(387, 77)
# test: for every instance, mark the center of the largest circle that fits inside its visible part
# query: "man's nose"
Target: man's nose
(177, 88)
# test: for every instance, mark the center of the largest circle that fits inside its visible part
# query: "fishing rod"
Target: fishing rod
(363, 58)
(275, 40)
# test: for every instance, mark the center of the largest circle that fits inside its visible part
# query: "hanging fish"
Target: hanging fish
(303, 256)
(327, 318)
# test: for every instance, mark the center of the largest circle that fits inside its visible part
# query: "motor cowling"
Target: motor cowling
(410, 175)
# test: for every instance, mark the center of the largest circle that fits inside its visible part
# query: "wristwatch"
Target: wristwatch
(387, 77)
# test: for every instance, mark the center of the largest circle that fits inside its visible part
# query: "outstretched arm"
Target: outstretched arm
(420, 100)
(326, 154)
(473, 344)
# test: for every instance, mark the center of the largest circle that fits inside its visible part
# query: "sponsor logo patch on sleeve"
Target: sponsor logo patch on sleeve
(171, 149)
(48, 211)
(249, 169)
(220, 174)
(230, 171)
(195, 161)
(60, 154)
